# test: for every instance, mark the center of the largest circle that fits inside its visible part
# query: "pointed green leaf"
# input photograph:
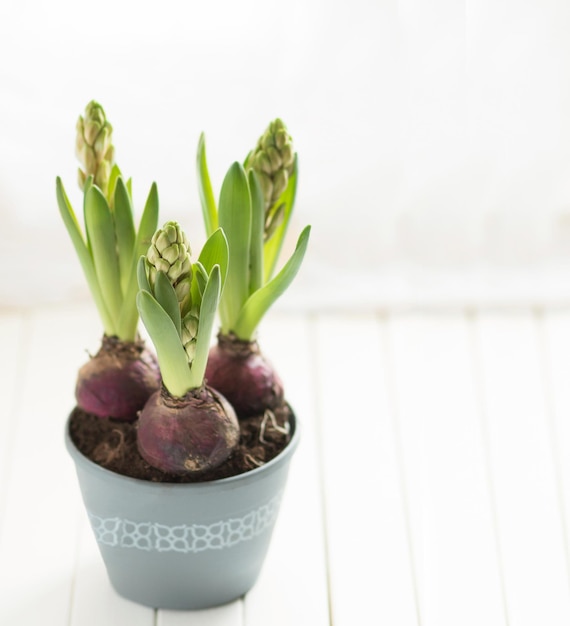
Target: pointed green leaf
(208, 311)
(259, 302)
(235, 219)
(83, 254)
(87, 186)
(201, 278)
(166, 297)
(215, 252)
(142, 278)
(128, 320)
(172, 358)
(125, 231)
(272, 247)
(115, 173)
(148, 223)
(100, 229)
(195, 293)
(257, 223)
(207, 199)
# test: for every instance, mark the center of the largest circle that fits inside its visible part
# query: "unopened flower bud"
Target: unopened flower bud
(169, 252)
(94, 148)
(273, 161)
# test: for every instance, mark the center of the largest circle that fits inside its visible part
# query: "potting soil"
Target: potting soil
(111, 443)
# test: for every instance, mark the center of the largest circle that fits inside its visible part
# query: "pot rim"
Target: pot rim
(251, 475)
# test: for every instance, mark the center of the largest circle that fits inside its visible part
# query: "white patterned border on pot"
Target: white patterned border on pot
(124, 533)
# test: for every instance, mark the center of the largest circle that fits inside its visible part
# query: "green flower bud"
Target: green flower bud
(281, 138)
(274, 219)
(280, 181)
(189, 335)
(272, 160)
(169, 252)
(266, 185)
(275, 159)
(94, 147)
(262, 163)
(182, 290)
(91, 130)
(288, 156)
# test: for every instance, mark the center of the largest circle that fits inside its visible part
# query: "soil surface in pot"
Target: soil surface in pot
(112, 444)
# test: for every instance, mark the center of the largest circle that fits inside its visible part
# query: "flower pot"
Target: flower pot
(183, 546)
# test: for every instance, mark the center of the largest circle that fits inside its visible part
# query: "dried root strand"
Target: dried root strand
(253, 460)
(269, 416)
(106, 454)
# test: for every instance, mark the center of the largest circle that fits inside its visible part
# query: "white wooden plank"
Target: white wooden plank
(371, 575)
(38, 543)
(445, 466)
(554, 337)
(14, 353)
(523, 471)
(227, 615)
(94, 600)
(292, 586)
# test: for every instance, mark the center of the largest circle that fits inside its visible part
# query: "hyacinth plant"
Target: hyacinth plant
(186, 427)
(119, 379)
(254, 210)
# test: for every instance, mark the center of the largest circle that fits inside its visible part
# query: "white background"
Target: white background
(433, 136)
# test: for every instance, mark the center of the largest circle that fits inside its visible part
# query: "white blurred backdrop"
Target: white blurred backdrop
(433, 136)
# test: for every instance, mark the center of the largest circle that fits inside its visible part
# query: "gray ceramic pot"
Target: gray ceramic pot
(183, 546)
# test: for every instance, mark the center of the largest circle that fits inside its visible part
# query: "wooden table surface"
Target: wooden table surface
(431, 487)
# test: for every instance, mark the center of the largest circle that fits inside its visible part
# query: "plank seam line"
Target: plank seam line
(546, 376)
(477, 369)
(79, 538)
(15, 409)
(313, 347)
(386, 347)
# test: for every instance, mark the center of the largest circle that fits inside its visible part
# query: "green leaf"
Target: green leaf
(166, 297)
(208, 310)
(215, 252)
(142, 277)
(235, 219)
(100, 229)
(195, 291)
(115, 173)
(272, 247)
(128, 320)
(259, 302)
(148, 223)
(83, 254)
(125, 231)
(201, 278)
(172, 358)
(86, 187)
(257, 223)
(207, 199)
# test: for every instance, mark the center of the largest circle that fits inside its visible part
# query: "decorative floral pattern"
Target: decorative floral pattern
(124, 533)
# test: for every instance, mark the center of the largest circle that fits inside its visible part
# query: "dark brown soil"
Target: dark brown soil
(112, 444)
